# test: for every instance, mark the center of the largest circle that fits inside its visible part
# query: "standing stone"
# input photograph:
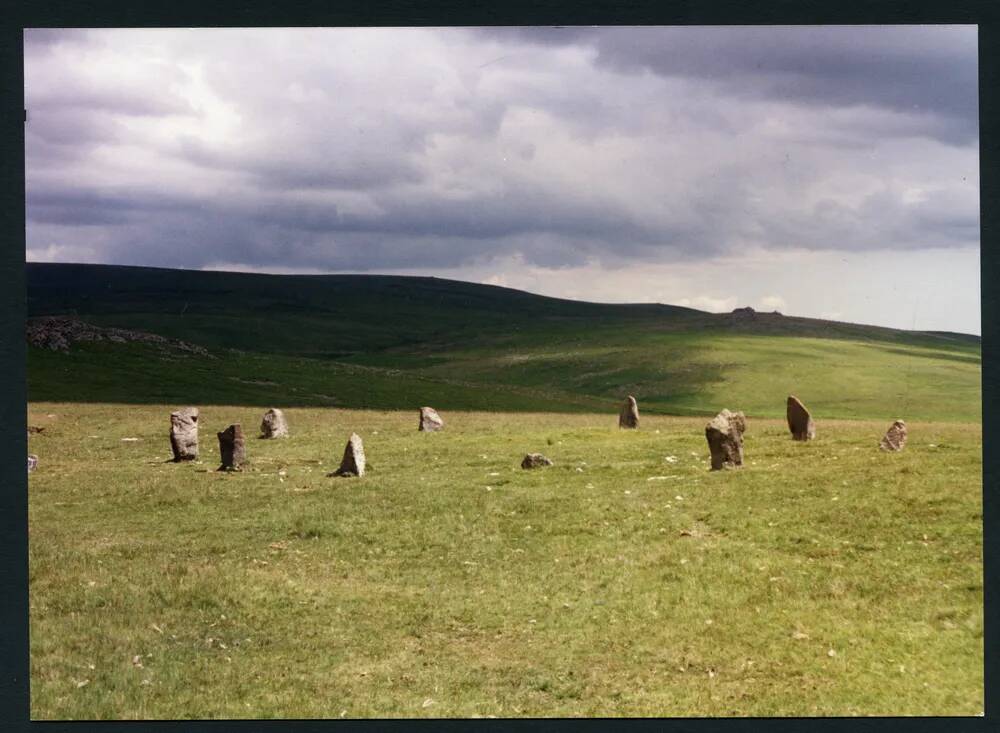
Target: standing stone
(725, 439)
(535, 460)
(800, 422)
(353, 463)
(32, 462)
(629, 416)
(895, 437)
(273, 425)
(232, 448)
(184, 434)
(430, 420)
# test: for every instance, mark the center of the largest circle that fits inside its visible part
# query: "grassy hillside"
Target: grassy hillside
(396, 342)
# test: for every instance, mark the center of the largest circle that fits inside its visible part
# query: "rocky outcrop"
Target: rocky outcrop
(184, 434)
(430, 420)
(628, 418)
(58, 333)
(232, 448)
(274, 425)
(895, 437)
(800, 422)
(725, 439)
(535, 460)
(353, 462)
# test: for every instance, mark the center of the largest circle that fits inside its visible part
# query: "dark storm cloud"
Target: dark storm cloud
(375, 149)
(912, 69)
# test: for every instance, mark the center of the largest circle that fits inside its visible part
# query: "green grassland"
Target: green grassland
(394, 343)
(824, 578)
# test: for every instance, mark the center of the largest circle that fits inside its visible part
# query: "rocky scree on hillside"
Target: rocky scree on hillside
(59, 332)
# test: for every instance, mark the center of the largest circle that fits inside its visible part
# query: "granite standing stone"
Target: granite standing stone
(232, 448)
(895, 437)
(800, 422)
(430, 420)
(274, 425)
(353, 463)
(725, 439)
(535, 460)
(184, 434)
(629, 416)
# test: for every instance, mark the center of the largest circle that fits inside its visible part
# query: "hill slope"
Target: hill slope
(397, 342)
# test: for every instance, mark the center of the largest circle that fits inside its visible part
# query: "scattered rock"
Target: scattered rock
(629, 415)
(59, 332)
(353, 463)
(184, 434)
(535, 460)
(232, 448)
(800, 422)
(274, 425)
(32, 462)
(895, 437)
(430, 420)
(725, 439)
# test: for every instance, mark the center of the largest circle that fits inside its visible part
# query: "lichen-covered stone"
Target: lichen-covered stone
(895, 437)
(353, 462)
(535, 460)
(430, 420)
(232, 448)
(800, 422)
(274, 425)
(725, 439)
(184, 434)
(628, 418)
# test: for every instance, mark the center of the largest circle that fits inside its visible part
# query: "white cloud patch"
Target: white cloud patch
(772, 303)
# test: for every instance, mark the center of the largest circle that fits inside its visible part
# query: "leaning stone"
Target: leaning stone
(629, 415)
(535, 460)
(32, 462)
(895, 437)
(273, 425)
(725, 439)
(232, 448)
(800, 422)
(184, 434)
(353, 463)
(430, 420)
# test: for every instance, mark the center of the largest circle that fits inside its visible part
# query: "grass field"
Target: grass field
(825, 578)
(378, 342)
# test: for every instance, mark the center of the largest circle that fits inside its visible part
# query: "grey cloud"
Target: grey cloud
(323, 168)
(302, 166)
(928, 70)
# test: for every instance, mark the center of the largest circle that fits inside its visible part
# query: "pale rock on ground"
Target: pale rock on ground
(725, 439)
(895, 437)
(629, 415)
(430, 420)
(353, 463)
(184, 434)
(274, 424)
(535, 460)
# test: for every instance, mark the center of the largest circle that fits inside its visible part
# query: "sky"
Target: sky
(821, 171)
